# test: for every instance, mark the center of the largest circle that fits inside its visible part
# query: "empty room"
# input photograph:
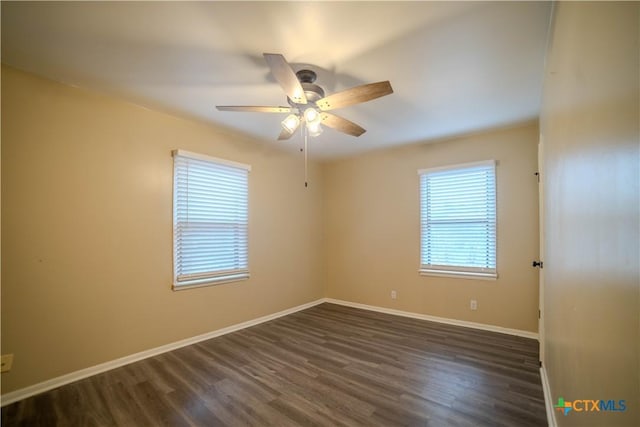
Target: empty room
(320, 213)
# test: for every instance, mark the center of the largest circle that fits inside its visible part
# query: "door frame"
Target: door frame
(541, 249)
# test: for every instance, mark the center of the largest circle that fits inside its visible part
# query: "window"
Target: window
(210, 220)
(458, 220)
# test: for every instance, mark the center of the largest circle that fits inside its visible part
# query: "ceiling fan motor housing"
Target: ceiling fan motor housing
(312, 91)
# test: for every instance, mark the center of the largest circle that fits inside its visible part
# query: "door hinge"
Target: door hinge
(539, 314)
(537, 174)
(537, 264)
(540, 363)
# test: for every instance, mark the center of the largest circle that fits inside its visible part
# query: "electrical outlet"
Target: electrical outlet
(473, 305)
(394, 295)
(5, 362)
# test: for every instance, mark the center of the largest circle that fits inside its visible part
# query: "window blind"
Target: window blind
(210, 219)
(458, 219)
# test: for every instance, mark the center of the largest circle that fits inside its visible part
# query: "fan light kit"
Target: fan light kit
(308, 103)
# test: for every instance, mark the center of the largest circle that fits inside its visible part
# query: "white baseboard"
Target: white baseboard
(548, 400)
(466, 324)
(32, 390)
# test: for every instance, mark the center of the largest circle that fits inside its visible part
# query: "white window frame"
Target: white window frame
(460, 271)
(183, 278)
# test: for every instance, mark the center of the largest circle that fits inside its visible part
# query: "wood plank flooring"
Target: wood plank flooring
(326, 366)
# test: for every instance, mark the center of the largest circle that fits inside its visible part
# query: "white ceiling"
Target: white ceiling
(455, 67)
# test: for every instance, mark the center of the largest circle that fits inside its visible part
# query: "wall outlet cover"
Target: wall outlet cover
(6, 361)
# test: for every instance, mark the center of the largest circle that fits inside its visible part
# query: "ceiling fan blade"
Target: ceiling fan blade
(254, 109)
(342, 125)
(284, 74)
(355, 95)
(285, 134)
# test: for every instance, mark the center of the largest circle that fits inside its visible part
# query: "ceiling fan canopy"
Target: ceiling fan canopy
(308, 102)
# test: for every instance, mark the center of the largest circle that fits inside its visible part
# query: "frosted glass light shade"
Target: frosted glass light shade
(311, 115)
(291, 123)
(314, 128)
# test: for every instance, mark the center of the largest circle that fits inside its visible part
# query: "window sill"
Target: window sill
(209, 282)
(459, 274)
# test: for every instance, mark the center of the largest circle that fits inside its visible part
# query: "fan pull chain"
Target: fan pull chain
(306, 147)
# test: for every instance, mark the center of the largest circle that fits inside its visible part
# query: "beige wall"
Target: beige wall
(590, 125)
(372, 230)
(86, 230)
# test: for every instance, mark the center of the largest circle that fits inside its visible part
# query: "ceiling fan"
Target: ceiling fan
(308, 103)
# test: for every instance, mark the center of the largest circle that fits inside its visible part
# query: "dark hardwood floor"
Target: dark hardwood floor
(326, 366)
